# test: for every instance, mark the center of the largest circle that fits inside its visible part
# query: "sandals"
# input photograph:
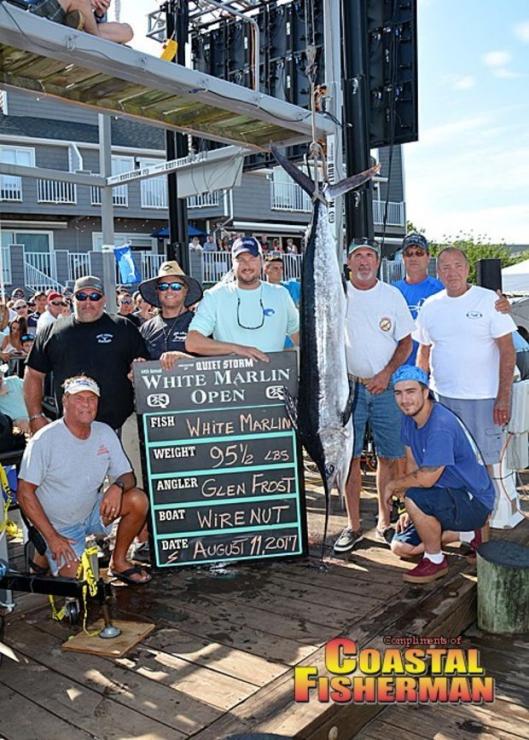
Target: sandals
(126, 576)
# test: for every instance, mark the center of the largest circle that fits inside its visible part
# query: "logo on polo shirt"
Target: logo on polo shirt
(385, 323)
(268, 311)
(103, 450)
(104, 338)
(474, 315)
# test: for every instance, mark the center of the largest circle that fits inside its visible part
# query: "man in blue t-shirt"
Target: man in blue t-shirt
(447, 488)
(417, 285)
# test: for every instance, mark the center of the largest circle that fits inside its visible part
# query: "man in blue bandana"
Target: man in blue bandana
(446, 489)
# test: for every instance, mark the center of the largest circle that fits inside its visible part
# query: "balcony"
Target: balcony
(287, 196)
(154, 193)
(120, 196)
(11, 189)
(396, 213)
(204, 200)
(53, 191)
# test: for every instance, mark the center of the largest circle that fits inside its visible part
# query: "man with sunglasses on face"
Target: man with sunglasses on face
(173, 292)
(54, 305)
(418, 285)
(247, 316)
(89, 341)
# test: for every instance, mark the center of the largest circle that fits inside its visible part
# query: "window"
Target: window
(11, 186)
(154, 189)
(120, 194)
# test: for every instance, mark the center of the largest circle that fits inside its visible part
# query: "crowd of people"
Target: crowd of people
(413, 350)
(224, 244)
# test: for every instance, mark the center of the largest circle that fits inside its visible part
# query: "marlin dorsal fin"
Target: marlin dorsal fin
(295, 173)
(336, 189)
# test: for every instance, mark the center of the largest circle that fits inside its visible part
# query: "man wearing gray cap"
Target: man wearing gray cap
(378, 340)
(92, 342)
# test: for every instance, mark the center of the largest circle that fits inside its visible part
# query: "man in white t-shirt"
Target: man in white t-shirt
(54, 305)
(246, 316)
(378, 340)
(62, 474)
(468, 346)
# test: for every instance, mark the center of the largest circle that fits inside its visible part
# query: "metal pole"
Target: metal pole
(107, 213)
(334, 101)
(176, 144)
(359, 204)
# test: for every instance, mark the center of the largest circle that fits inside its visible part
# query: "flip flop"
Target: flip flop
(126, 575)
(38, 570)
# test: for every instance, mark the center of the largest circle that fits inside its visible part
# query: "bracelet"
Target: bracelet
(37, 416)
(120, 484)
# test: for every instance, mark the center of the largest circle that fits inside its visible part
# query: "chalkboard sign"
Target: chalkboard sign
(221, 459)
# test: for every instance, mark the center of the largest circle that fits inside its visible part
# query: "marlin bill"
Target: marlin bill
(323, 414)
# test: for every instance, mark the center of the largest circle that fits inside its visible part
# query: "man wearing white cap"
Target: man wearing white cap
(247, 316)
(64, 468)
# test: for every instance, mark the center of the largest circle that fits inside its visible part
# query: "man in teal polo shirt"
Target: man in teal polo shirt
(246, 316)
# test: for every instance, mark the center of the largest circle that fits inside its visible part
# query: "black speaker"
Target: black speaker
(488, 273)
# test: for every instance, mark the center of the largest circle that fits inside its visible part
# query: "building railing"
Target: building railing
(216, 264)
(204, 200)
(6, 265)
(287, 196)
(53, 191)
(396, 213)
(79, 265)
(10, 188)
(150, 264)
(40, 271)
(120, 196)
(154, 193)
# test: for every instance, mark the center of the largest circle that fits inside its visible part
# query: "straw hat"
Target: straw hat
(170, 269)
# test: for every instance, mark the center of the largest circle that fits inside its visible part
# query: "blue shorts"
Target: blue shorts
(454, 509)
(79, 532)
(384, 417)
(409, 536)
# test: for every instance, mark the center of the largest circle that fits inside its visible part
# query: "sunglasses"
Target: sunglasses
(162, 287)
(19, 308)
(414, 253)
(27, 338)
(126, 303)
(93, 297)
(58, 303)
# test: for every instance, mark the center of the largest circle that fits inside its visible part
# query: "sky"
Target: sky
(469, 171)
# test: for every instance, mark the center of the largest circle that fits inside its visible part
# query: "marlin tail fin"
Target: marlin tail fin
(304, 182)
(350, 183)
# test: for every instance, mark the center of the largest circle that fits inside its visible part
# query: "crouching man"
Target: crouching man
(61, 482)
(447, 489)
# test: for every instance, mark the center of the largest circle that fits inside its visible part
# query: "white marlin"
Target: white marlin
(323, 414)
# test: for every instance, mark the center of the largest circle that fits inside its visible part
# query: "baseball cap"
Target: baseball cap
(89, 281)
(417, 240)
(81, 383)
(362, 244)
(246, 244)
(410, 372)
(54, 296)
(274, 257)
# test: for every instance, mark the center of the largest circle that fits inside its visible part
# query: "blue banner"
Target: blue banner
(128, 272)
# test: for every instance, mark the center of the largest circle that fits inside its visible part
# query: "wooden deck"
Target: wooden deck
(220, 661)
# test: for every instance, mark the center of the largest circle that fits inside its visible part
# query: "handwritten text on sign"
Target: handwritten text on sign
(221, 459)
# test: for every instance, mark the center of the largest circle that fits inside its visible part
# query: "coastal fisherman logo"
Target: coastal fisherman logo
(474, 315)
(104, 338)
(385, 323)
(158, 400)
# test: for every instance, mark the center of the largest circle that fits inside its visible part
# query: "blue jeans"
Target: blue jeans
(384, 417)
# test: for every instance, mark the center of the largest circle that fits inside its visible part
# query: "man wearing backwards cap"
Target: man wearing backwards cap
(247, 317)
(378, 340)
(90, 341)
(54, 305)
(63, 470)
(446, 489)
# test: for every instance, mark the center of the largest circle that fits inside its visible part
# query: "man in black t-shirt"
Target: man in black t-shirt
(173, 292)
(89, 342)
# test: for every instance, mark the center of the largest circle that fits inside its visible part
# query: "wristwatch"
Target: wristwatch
(37, 416)
(120, 484)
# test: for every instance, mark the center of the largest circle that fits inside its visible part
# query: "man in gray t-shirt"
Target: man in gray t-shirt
(63, 471)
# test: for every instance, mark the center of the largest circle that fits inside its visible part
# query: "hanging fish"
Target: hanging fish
(322, 414)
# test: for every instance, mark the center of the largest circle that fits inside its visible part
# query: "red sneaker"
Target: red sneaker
(426, 571)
